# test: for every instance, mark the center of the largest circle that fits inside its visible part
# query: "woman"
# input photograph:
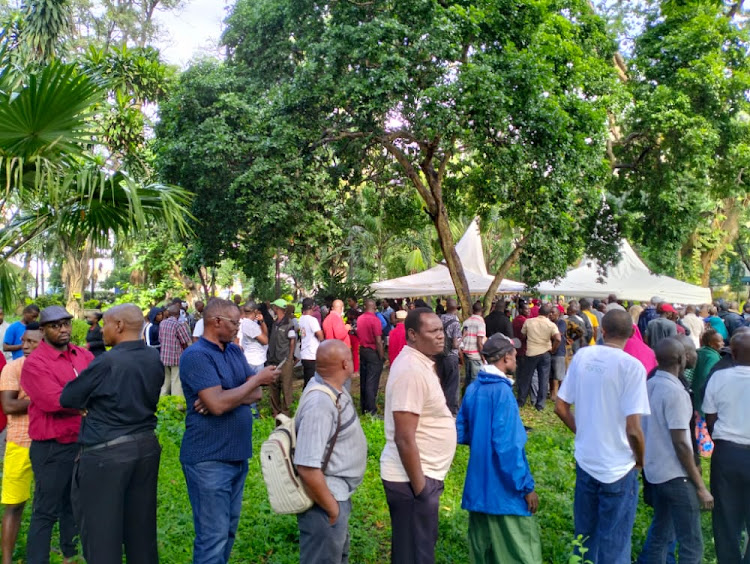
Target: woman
(635, 313)
(94, 338)
(636, 348)
(708, 356)
(717, 323)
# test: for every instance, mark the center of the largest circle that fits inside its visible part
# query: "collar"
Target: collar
(52, 352)
(420, 355)
(130, 345)
(668, 376)
(320, 380)
(492, 369)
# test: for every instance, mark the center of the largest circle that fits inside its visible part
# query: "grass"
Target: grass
(267, 538)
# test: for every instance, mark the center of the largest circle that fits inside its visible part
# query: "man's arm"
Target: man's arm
(562, 410)
(42, 388)
(76, 393)
(556, 340)
(685, 455)
(219, 401)
(480, 343)
(315, 484)
(11, 404)
(292, 344)
(711, 419)
(320, 336)
(405, 437)
(11, 348)
(263, 337)
(635, 438)
(379, 347)
(183, 335)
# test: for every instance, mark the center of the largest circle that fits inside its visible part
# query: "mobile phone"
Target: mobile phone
(280, 364)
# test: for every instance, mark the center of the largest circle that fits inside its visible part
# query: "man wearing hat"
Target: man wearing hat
(281, 344)
(397, 336)
(53, 431)
(499, 489)
(662, 327)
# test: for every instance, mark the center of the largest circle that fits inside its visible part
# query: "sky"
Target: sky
(192, 31)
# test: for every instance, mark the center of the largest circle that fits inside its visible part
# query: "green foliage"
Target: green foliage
(47, 300)
(78, 333)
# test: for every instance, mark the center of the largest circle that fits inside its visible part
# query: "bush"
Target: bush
(78, 334)
(47, 300)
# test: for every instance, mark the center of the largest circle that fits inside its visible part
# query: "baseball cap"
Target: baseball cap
(657, 300)
(54, 313)
(279, 303)
(499, 345)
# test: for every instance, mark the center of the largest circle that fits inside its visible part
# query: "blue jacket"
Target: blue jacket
(498, 476)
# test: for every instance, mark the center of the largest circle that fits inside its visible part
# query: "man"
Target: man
(612, 303)
(439, 309)
(351, 318)
(518, 323)
(311, 335)
(733, 320)
(678, 491)
(474, 332)
(174, 338)
(3, 329)
(725, 405)
(608, 388)
(649, 314)
(334, 326)
(447, 364)
(585, 305)
(420, 441)
(499, 489)
(17, 474)
(558, 358)
(498, 322)
(324, 528)
(371, 356)
(12, 339)
(115, 476)
(219, 388)
(150, 333)
(397, 337)
(253, 336)
(54, 432)
(600, 309)
(694, 324)
(542, 340)
(576, 329)
(660, 328)
(281, 344)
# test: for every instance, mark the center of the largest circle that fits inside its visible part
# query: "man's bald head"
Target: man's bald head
(451, 305)
(174, 310)
(122, 323)
(617, 324)
(370, 305)
(337, 306)
(691, 355)
(740, 345)
(670, 354)
(333, 362)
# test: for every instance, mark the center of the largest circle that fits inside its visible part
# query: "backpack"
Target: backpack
(286, 492)
(447, 341)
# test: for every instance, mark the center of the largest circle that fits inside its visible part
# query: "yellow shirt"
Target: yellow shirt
(539, 332)
(594, 324)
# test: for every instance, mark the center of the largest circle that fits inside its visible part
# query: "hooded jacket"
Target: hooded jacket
(498, 476)
(151, 330)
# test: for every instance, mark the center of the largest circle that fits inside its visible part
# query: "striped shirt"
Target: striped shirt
(174, 337)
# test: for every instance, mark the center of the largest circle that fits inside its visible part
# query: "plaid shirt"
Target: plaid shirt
(18, 425)
(174, 337)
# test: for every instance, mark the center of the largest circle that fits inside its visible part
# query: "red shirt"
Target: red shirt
(396, 341)
(43, 377)
(369, 327)
(518, 322)
(334, 328)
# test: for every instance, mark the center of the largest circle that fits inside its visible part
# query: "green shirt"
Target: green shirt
(707, 357)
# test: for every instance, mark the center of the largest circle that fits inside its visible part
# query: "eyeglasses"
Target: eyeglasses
(59, 324)
(232, 321)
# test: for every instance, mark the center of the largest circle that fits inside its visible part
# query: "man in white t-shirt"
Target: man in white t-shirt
(725, 405)
(311, 335)
(198, 330)
(420, 441)
(253, 335)
(608, 388)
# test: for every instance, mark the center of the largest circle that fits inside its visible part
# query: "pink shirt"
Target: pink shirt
(396, 341)
(368, 328)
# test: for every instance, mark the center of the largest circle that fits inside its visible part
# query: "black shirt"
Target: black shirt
(120, 390)
(498, 322)
(94, 340)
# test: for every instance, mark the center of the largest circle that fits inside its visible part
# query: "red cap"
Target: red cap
(668, 308)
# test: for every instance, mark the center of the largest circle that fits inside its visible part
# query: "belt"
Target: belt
(731, 443)
(118, 441)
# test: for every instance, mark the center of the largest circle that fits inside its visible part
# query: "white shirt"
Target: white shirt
(614, 306)
(728, 395)
(606, 385)
(696, 326)
(308, 326)
(198, 330)
(4, 327)
(255, 353)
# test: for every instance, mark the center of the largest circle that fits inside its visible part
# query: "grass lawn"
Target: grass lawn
(265, 537)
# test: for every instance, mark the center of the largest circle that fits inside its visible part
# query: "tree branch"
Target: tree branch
(509, 261)
(411, 172)
(734, 9)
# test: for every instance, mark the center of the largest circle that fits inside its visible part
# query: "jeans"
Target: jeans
(282, 386)
(319, 541)
(541, 363)
(114, 501)
(604, 514)
(52, 463)
(414, 521)
(370, 368)
(676, 515)
(730, 486)
(448, 372)
(215, 492)
(472, 368)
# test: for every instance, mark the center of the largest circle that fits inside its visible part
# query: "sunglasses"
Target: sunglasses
(59, 324)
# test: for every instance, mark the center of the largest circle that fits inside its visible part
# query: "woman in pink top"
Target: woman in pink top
(636, 348)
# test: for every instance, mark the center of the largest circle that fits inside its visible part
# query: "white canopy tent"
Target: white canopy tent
(629, 280)
(436, 281)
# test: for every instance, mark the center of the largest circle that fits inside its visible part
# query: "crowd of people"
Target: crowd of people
(644, 387)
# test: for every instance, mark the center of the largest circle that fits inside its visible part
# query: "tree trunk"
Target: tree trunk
(731, 211)
(509, 261)
(75, 274)
(277, 286)
(452, 260)
(202, 274)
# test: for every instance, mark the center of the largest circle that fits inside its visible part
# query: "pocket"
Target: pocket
(428, 486)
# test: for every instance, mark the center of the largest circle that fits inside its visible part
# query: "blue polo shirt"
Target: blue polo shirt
(227, 437)
(13, 337)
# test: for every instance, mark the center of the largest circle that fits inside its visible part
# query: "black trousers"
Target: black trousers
(414, 521)
(308, 370)
(730, 486)
(450, 377)
(525, 374)
(52, 464)
(370, 367)
(114, 499)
